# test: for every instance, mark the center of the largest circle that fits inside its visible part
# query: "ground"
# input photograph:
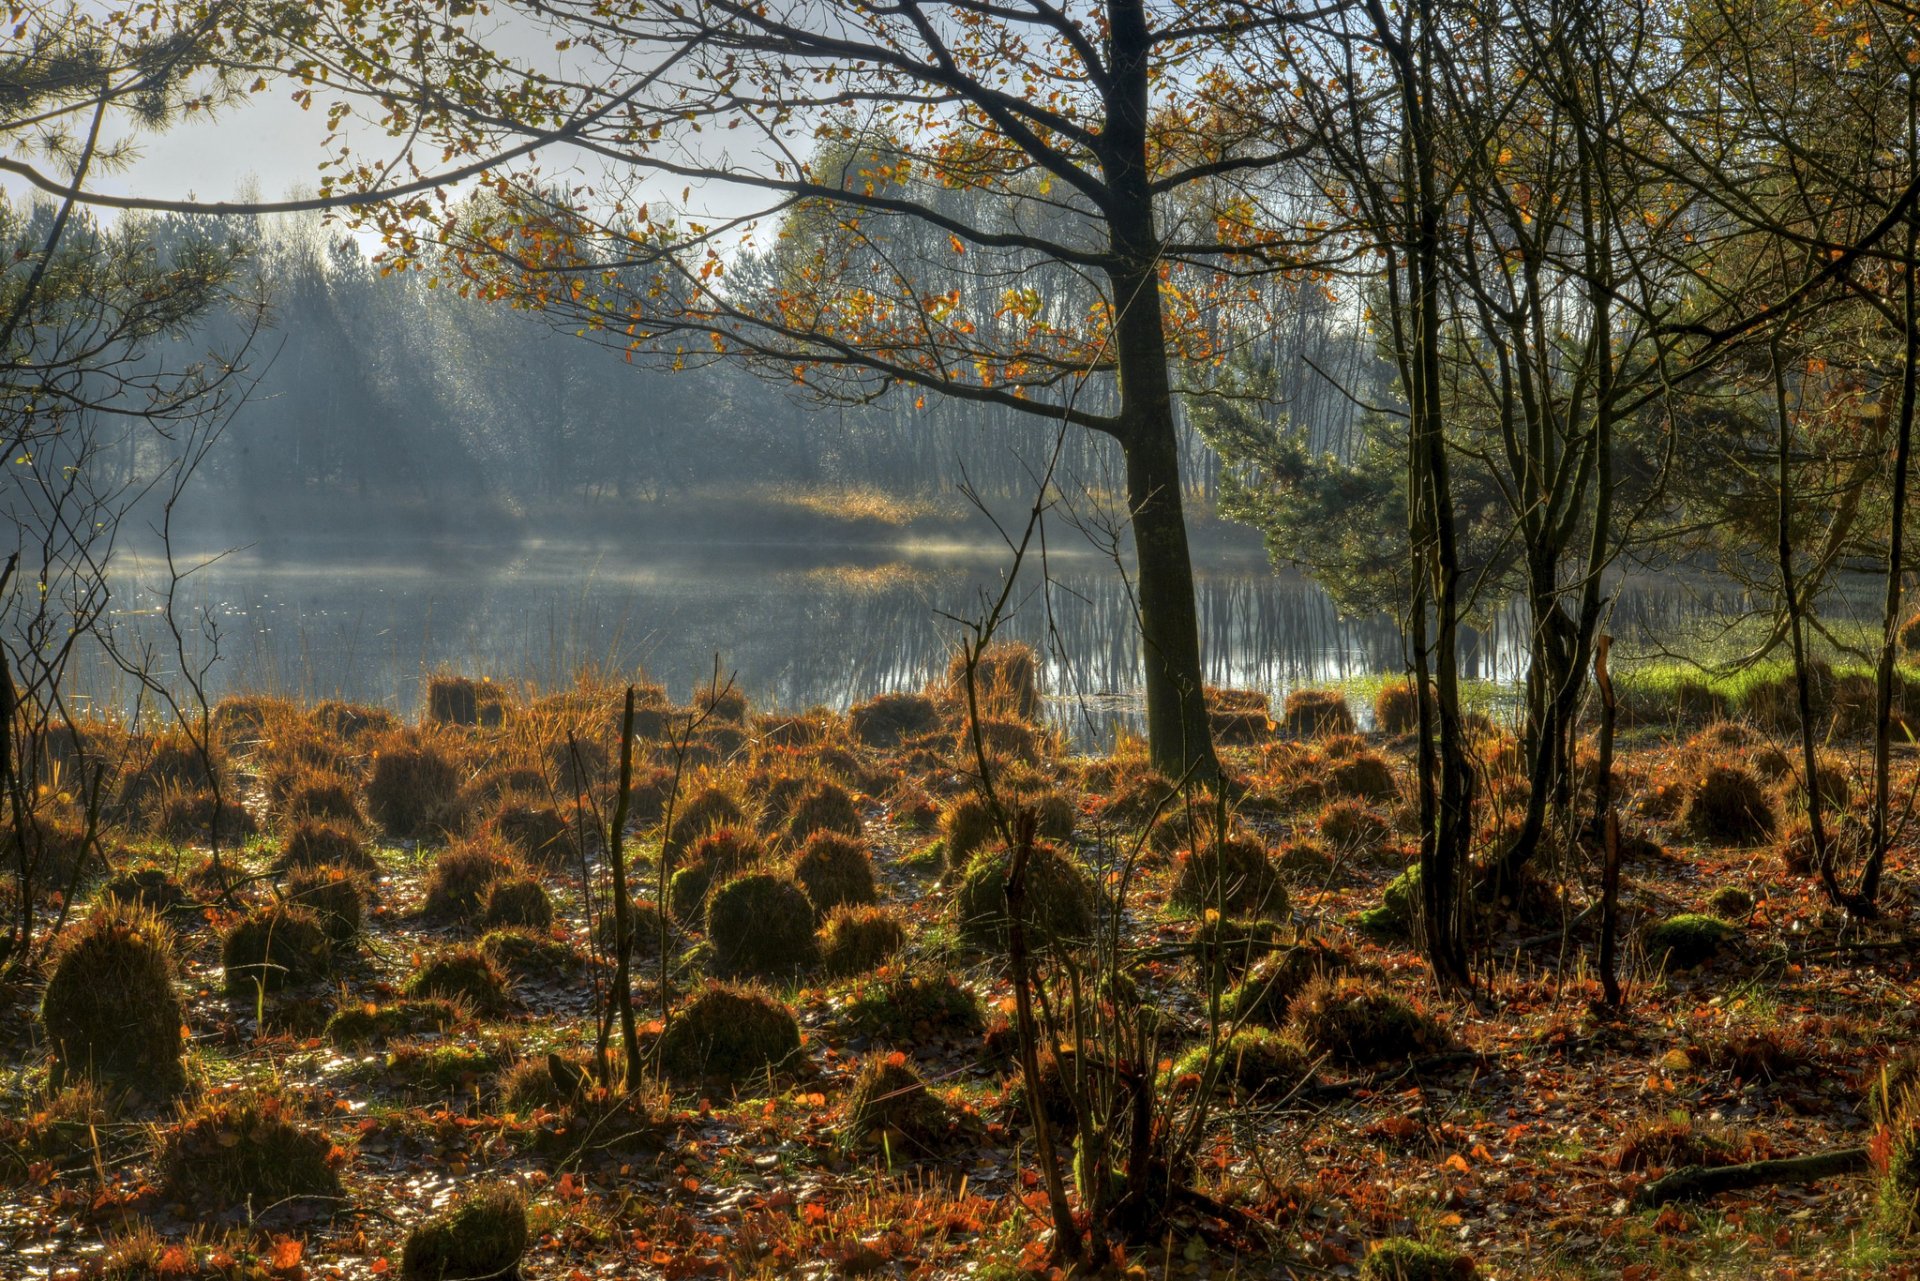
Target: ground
(1519, 1150)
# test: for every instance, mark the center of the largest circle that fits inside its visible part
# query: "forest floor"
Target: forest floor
(1521, 1150)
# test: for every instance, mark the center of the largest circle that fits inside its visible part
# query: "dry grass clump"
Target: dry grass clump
(538, 833)
(481, 1238)
(1059, 900)
(644, 919)
(704, 810)
(721, 853)
(324, 795)
(1232, 876)
(199, 815)
(523, 953)
(248, 1149)
(352, 721)
(761, 926)
(312, 843)
(462, 700)
(152, 888)
(1267, 992)
(463, 974)
(110, 1009)
(162, 763)
(726, 706)
(857, 939)
(835, 869)
(457, 886)
(729, 1034)
(1396, 709)
(966, 827)
(1351, 825)
(336, 896)
(1729, 806)
(1006, 682)
(283, 945)
(413, 786)
(1317, 713)
(1663, 1143)
(1404, 1259)
(1356, 1025)
(1253, 1060)
(516, 901)
(917, 1007)
(889, 1098)
(1364, 775)
(370, 1024)
(1239, 716)
(823, 807)
(890, 719)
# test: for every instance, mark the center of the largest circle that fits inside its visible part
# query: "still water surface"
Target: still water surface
(795, 627)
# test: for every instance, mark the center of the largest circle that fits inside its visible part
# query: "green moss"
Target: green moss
(275, 947)
(1689, 939)
(110, 1009)
(729, 1034)
(526, 954)
(1403, 1259)
(1253, 1060)
(761, 925)
(443, 1069)
(1731, 903)
(481, 1238)
(1266, 994)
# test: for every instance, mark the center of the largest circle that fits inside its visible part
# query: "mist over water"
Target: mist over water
(794, 626)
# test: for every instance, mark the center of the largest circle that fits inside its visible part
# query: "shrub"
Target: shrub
(312, 843)
(1267, 992)
(916, 1007)
(1359, 1026)
(462, 973)
(1396, 710)
(823, 807)
(110, 1009)
(461, 877)
(370, 1024)
(335, 896)
(413, 789)
(761, 925)
(889, 1097)
(856, 939)
(483, 1236)
(1365, 775)
(462, 700)
(539, 833)
(1316, 713)
(248, 1148)
(886, 720)
(279, 946)
(1728, 806)
(1253, 1059)
(729, 1034)
(1229, 876)
(517, 901)
(1404, 1259)
(1689, 939)
(1059, 900)
(835, 870)
(524, 954)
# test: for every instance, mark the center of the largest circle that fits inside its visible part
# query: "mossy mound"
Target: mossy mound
(463, 974)
(249, 1149)
(761, 925)
(1226, 947)
(516, 901)
(1266, 994)
(413, 787)
(729, 1034)
(200, 815)
(1360, 1026)
(1059, 908)
(916, 1007)
(1365, 775)
(967, 827)
(889, 719)
(1731, 903)
(437, 1068)
(152, 888)
(336, 896)
(1316, 713)
(855, 939)
(706, 809)
(719, 855)
(538, 833)
(1404, 1259)
(1253, 1060)
(1729, 806)
(1231, 876)
(482, 1237)
(284, 945)
(1689, 939)
(1350, 825)
(110, 1009)
(323, 796)
(526, 954)
(835, 869)
(371, 1024)
(313, 843)
(824, 806)
(461, 877)
(1400, 906)
(890, 1099)
(644, 919)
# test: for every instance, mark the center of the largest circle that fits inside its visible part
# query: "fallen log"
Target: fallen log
(1696, 1182)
